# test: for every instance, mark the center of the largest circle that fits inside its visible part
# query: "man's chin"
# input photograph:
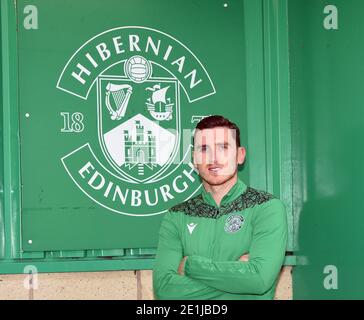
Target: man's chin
(217, 180)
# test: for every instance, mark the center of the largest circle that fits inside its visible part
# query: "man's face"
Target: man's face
(216, 155)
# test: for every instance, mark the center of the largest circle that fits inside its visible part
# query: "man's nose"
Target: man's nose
(213, 156)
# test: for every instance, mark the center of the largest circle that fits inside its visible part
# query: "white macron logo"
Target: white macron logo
(191, 227)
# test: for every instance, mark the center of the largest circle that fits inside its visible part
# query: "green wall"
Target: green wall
(327, 113)
(246, 55)
(2, 234)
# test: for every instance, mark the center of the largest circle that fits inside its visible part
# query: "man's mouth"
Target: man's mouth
(214, 168)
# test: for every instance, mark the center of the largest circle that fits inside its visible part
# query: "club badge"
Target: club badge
(136, 88)
(234, 223)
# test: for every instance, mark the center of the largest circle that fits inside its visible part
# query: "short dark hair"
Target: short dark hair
(219, 121)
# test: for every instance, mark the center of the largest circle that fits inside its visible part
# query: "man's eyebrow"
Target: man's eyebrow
(201, 145)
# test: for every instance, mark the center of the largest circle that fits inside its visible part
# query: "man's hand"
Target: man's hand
(181, 266)
(244, 257)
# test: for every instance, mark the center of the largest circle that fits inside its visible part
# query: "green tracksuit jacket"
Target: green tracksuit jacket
(214, 237)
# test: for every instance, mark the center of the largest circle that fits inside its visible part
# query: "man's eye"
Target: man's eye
(202, 149)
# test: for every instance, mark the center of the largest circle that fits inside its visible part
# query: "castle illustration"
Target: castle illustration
(139, 150)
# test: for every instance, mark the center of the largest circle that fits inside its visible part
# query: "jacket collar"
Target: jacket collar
(236, 190)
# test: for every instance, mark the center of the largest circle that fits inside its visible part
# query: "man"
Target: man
(228, 242)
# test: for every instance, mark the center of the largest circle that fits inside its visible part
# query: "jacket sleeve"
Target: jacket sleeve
(167, 283)
(266, 255)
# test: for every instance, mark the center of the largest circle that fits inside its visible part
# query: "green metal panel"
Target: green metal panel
(268, 107)
(254, 91)
(327, 133)
(11, 195)
(2, 231)
(66, 226)
(64, 212)
(72, 265)
(277, 106)
(76, 265)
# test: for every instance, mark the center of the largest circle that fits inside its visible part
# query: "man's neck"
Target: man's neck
(218, 192)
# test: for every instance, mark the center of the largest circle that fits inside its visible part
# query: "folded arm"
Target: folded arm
(167, 283)
(266, 256)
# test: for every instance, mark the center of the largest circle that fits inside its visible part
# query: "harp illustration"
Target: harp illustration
(120, 94)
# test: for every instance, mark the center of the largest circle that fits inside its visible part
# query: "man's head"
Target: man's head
(217, 151)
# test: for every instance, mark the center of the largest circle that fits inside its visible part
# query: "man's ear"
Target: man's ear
(241, 152)
(194, 159)
(194, 162)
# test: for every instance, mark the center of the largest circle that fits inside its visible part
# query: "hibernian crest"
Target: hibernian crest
(143, 85)
(234, 223)
(139, 118)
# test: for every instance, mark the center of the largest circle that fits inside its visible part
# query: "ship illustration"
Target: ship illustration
(158, 106)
